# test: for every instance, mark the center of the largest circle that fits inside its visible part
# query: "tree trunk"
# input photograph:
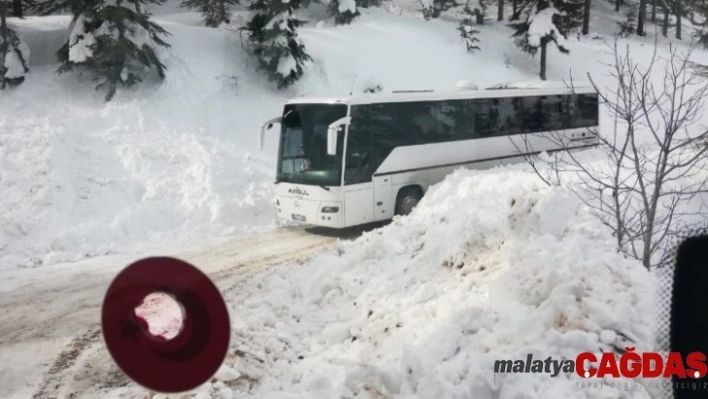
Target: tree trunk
(618, 3)
(541, 5)
(665, 26)
(500, 10)
(17, 8)
(222, 11)
(543, 59)
(653, 11)
(678, 11)
(4, 45)
(586, 18)
(479, 18)
(642, 17)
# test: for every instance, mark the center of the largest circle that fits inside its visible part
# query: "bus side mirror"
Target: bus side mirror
(332, 134)
(266, 126)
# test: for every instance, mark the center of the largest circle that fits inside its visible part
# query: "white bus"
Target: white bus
(359, 159)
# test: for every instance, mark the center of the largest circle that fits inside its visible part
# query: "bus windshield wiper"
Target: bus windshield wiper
(311, 180)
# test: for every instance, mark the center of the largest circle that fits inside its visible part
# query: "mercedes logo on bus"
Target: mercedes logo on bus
(297, 204)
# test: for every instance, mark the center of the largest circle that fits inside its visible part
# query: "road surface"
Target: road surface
(50, 340)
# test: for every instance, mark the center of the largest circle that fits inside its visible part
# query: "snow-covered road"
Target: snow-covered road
(50, 329)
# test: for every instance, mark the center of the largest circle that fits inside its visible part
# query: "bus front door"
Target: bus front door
(383, 203)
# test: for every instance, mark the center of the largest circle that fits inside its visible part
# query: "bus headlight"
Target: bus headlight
(330, 209)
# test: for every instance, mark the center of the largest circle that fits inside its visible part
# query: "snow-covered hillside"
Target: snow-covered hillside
(82, 178)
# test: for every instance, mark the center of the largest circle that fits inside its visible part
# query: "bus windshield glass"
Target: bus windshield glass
(302, 156)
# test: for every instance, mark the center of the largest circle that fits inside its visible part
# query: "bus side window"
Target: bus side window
(357, 167)
(509, 116)
(386, 130)
(587, 107)
(486, 115)
(581, 110)
(534, 119)
(453, 121)
(552, 109)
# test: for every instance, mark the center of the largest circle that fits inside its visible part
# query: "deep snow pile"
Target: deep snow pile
(79, 177)
(492, 265)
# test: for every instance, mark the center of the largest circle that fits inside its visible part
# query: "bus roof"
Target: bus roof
(497, 91)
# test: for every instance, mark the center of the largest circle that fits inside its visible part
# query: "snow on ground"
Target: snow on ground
(490, 266)
(176, 161)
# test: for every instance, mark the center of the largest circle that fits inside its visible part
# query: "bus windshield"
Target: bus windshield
(302, 156)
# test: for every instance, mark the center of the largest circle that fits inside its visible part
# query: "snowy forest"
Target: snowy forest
(117, 41)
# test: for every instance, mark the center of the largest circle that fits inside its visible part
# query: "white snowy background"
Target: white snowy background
(491, 265)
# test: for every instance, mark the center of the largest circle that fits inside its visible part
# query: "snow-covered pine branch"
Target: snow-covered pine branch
(214, 12)
(115, 41)
(546, 26)
(344, 11)
(14, 54)
(468, 32)
(274, 41)
(435, 8)
(469, 13)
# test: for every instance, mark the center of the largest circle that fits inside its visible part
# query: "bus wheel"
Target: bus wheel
(407, 200)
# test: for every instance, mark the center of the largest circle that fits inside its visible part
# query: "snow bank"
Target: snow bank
(492, 265)
(81, 178)
(13, 62)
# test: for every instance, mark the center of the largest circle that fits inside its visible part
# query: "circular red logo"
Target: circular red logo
(183, 362)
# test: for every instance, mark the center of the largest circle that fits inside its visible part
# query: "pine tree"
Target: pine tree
(435, 8)
(17, 9)
(214, 12)
(571, 11)
(344, 11)
(641, 17)
(586, 17)
(701, 8)
(629, 25)
(14, 53)
(50, 7)
(115, 41)
(546, 26)
(274, 41)
(466, 27)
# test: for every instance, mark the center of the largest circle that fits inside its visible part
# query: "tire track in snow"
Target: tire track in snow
(66, 360)
(48, 311)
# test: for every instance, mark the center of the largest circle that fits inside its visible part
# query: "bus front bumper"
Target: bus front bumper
(313, 212)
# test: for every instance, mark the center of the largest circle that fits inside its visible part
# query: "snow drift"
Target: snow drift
(492, 265)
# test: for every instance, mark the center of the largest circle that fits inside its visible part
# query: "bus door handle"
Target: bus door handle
(379, 203)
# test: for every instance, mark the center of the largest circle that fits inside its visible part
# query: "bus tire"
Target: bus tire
(407, 199)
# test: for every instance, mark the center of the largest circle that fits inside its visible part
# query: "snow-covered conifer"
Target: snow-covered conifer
(629, 25)
(467, 26)
(14, 53)
(344, 11)
(435, 8)
(274, 41)
(214, 12)
(116, 41)
(538, 31)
